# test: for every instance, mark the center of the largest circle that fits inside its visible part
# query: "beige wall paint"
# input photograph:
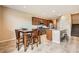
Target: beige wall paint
(65, 23)
(9, 21)
(13, 19)
(1, 22)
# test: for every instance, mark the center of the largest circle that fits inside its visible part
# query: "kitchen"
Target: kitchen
(49, 27)
(13, 19)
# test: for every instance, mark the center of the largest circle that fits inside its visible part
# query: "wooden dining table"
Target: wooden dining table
(25, 38)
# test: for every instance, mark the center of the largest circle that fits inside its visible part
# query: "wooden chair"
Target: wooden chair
(35, 38)
(39, 34)
(19, 39)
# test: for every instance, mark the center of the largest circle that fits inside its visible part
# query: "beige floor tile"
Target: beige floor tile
(49, 47)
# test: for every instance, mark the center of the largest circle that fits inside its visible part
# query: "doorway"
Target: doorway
(75, 30)
(75, 25)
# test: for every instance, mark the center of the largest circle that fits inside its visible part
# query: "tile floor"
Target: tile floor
(48, 47)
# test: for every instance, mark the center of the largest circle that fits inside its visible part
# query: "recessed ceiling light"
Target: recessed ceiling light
(24, 6)
(53, 11)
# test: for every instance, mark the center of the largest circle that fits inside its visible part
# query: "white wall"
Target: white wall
(65, 23)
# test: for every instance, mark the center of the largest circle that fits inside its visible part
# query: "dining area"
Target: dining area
(26, 38)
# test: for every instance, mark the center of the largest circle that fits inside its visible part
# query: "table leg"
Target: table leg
(25, 41)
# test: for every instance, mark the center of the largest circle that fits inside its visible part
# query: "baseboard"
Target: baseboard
(8, 40)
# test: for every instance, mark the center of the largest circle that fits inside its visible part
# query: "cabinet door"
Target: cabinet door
(45, 22)
(35, 21)
(49, 34)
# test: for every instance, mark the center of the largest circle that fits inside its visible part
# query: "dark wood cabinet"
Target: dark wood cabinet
(45, 22)
(49, 34)
(35, 21)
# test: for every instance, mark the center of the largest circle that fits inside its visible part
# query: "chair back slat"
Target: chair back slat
(17, 33)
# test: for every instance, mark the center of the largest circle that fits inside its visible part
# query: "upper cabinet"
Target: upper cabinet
(45, 22)
(36, 21)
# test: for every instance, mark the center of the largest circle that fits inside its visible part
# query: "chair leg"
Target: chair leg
(18, 44)
(37, 44)
(32, 44)
(25, 49)
(32, 47)
(39, 40)
(18, 47)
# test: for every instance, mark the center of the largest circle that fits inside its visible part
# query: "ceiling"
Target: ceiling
(46, 11)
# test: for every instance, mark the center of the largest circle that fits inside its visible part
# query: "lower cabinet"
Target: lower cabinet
(49, 34)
